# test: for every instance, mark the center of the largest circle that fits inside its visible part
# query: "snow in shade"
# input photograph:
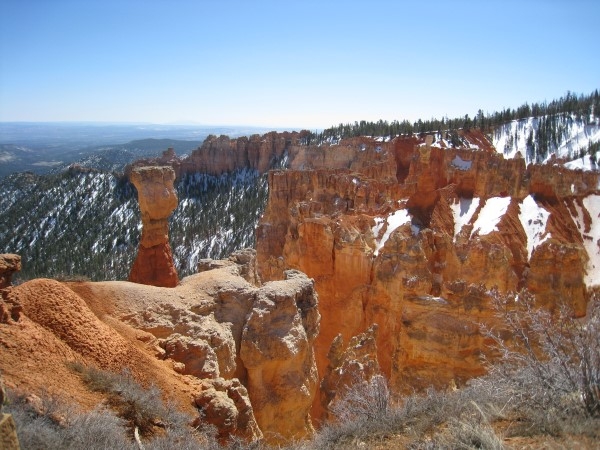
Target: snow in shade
(490, 215)
(533, 218)
(393, 221)
(460, 163)
(463, 212)
(584, 163)
(590, 237)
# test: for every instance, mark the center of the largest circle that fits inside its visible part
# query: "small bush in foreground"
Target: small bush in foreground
(553, 361)
(142, 408)
(47, 423)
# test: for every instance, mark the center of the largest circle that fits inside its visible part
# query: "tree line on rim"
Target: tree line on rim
(581, 106)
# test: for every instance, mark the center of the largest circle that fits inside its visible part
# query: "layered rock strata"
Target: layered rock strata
(413, 237)
(277, 351)
(157, 199)
(221, 154)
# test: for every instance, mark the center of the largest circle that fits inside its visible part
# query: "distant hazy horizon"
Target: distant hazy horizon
(288, 65)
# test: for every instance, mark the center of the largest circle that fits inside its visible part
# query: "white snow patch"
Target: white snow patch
(490, 215)
(393, 220)
(461, 164)
(584, 163)
(533, 218)
(591, 239)
(463, 212)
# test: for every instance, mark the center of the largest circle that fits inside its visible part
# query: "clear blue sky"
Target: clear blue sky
(289, 63)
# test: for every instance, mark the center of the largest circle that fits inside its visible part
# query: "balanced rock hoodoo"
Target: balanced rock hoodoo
(157, 198)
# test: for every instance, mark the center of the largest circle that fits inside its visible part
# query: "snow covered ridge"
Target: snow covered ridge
(538, 138)
(490, 215)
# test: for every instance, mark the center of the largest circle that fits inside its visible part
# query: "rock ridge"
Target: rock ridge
(415, 237)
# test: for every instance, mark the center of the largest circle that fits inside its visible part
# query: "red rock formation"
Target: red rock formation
(217, 326)
(157, 199)
(414, 241)
(222, 154)
(225, 404)
(349, 365)
(277, 351)
(9, 264)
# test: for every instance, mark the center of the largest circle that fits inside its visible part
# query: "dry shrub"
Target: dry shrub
(52, 424)
(549, 373)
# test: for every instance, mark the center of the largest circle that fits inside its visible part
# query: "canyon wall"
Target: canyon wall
(415, 238)
(221, 154)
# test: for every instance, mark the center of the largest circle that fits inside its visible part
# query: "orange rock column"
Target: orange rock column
(157, 199)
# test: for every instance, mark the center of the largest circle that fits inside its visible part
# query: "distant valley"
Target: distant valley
(51, 147)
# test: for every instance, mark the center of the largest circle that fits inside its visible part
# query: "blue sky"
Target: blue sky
(307, 64)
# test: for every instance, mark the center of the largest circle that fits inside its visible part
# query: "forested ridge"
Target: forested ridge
(581, 107)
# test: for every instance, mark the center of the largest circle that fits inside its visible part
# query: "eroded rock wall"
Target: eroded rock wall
(413, 237)
(277, 351)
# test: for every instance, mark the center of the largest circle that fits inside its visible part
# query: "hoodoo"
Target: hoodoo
(157, 198)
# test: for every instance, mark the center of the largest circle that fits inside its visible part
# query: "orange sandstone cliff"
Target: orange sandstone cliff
(222, 154)
(413, 237)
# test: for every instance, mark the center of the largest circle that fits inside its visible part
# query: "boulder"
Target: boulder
(9, 264)
(225, 404)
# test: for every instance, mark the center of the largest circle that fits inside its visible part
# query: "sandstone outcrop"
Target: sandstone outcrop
(9, 264)
(349, 365)
(57, 327)
(235, 336)
(226, 405)
(413, 236)
(55, 307)
(282, 374)
(157, 199)
(221, 154)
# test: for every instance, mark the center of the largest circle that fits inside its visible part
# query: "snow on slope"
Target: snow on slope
(533, 218)
(572, 135)
(394, 220)
(584, 163)
(463, 212)
(591, 237)
(490, 215)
